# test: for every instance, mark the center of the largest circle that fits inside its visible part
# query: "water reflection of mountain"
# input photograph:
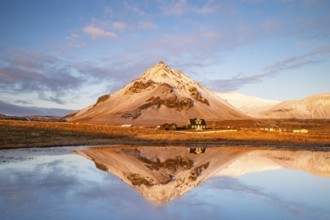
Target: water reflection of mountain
(162, 174)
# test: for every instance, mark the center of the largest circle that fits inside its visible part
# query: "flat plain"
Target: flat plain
(20, 134)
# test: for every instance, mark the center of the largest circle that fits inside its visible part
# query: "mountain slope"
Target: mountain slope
(248, 104)
(313, 107)
(160, 95)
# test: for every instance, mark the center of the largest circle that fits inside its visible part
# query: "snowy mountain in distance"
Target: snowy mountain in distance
(312, 107)
(160, 95)
(248, 104)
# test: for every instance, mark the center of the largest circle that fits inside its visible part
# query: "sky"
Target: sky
(65, 54)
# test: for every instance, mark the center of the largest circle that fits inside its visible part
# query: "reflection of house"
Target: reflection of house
(196, 150)
(198, 124)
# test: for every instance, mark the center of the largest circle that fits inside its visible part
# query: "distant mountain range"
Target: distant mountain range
(312, 107)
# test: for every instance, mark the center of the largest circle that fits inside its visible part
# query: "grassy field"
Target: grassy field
(20, 134)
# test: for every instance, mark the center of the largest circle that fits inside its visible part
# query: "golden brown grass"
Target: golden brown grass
(15, 134)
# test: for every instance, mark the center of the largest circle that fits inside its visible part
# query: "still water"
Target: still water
(164, 183)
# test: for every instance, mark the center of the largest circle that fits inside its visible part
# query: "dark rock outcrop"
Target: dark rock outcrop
(139, 86)
(102, 98)
(172, 101)
(197, 96)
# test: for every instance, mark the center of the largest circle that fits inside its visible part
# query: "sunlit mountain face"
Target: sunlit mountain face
(163, 174)
(161, 94)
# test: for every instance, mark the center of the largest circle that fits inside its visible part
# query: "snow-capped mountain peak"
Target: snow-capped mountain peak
(162, 73)
(247, 104)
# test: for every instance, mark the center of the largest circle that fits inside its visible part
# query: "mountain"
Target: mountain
(162, 174)
(160, 95)
(248, 104)
(19, 110)
(313, 107)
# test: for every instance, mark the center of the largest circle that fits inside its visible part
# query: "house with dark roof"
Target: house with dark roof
(198, 124)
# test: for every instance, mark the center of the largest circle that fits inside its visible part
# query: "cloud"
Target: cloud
(205, 9)
(96, 32)
(294, 62)
(306, 3)
(114, 26)
(145, 25)
(180, 7)
(119, 25)
(51, 78)
(19, 110)
(73, 36)
(232, 184)
(175, 7)
(234, 83)
(24, 102)
(133, 8)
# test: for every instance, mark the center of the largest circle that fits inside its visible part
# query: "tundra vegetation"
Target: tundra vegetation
(22, 134)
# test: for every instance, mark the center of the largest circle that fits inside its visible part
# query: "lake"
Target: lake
(164, 183)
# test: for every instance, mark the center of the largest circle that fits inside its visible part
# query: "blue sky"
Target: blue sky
(65, 54)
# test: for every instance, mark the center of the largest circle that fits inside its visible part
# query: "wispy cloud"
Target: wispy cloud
(134, 8)
(315, 56)
(73, 36)
(293, 207)
(119, 25)
(48, 77)
(294, 62)
(61, 81)
(146, 25)
(180, 7)
(19, 110)
(24, 102)
(234, 83)
(96, 32)
(51, 78)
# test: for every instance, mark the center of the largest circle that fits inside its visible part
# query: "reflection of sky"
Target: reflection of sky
(272, 195)
(66, 186)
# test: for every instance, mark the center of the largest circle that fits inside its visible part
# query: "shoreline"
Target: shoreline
(229, 143)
